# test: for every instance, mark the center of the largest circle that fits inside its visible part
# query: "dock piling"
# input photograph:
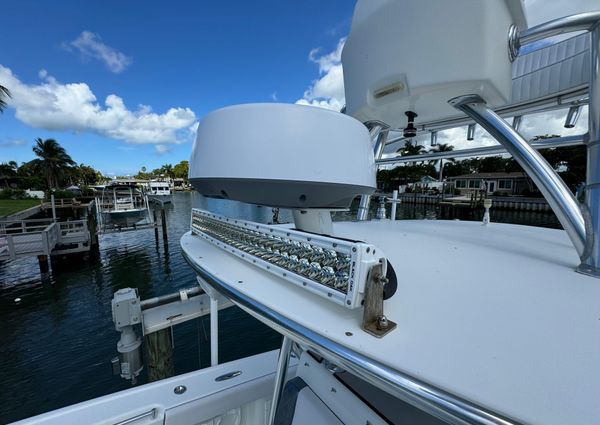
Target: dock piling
(43, 262)
(163, 221)
(155, 227)
(159, 350)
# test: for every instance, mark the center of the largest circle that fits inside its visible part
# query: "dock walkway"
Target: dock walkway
(35, 237)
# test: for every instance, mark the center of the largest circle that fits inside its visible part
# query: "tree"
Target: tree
(167, 170)
(53, 161)
(8, 170)
(4, 94)
(410, 148)
(181, 170)
(443, 147)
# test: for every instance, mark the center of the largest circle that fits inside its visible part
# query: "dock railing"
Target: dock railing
(39, 236)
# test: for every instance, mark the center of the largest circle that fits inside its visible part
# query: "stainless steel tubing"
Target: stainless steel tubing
(380, 140)
(558, 195)
(426, 397)
(282, 367)
(165, 299)
(363, 208)
(579, 22)
(591, 264)
(379, 134)
(556, 142)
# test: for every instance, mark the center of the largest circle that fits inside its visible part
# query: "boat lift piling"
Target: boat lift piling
(157, 316)
(159, 354)
(163, 222)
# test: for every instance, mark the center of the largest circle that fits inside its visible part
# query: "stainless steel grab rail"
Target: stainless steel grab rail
(426, 397)
(572, 23)
(555, 142)
(556, 192)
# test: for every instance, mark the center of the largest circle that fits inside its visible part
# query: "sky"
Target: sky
(123, 85)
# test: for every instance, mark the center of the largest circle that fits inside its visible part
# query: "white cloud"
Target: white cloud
(9, 143)
(89, 45)
(274, 96)
(73, 107)
(328, 90)
(162, 149)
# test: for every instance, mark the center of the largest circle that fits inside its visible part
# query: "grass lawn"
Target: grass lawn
(10, 206)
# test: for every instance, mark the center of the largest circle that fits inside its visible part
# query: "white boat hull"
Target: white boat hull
(124, 218)
(161, 199)
(205, 398)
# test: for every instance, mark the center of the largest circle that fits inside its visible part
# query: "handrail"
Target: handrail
(426, 397)
(571, 97)
(572, 23)
(554, 142)
(556, 192)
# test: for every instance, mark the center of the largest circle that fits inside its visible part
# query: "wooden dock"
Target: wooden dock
(42, 237)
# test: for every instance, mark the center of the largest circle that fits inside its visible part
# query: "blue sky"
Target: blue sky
(195, 56)
(123, 84)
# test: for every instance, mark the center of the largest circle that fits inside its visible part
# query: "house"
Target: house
(494, 183)
(179, 184)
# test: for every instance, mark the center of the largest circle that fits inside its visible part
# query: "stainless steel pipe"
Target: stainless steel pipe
(579, 22)
(557, 142)
(379, 134)
(558, 195)
(169, 298)
(591, 264)
(280, 375)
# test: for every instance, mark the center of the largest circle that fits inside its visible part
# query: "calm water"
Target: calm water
(57, 343)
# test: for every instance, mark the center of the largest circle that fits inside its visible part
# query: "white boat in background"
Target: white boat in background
(159, 191)
(384, 321)
(122, 205)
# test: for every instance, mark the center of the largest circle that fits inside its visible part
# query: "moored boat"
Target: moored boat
(159, 191)
(122, 205)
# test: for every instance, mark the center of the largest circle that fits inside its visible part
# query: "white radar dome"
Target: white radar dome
(282, 155)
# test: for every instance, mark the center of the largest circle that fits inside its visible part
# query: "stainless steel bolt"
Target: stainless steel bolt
(382, 323)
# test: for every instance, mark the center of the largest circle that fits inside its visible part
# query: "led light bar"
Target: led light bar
(334, 268)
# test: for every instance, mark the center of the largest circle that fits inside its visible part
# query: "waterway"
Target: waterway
(56, 344)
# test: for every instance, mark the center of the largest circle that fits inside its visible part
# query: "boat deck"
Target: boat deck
(494, 314)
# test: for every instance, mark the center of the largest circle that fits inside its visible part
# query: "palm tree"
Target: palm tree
(410, 148)
(7, 170)
(4, 93)
(443, 147)
(167, 169)
(52, 160)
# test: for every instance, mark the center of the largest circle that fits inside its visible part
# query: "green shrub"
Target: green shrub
(9, 193)
(63, 194)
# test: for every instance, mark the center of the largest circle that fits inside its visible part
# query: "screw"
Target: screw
(381, 279)
(382, 322)
(180, 389)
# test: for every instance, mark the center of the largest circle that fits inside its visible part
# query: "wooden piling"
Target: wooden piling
(43, 262)
(92, 224)
(155, 226)
(163, 221)
(159, 354)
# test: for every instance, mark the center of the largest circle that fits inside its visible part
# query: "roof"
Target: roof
(525, 332)
(514, 175)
